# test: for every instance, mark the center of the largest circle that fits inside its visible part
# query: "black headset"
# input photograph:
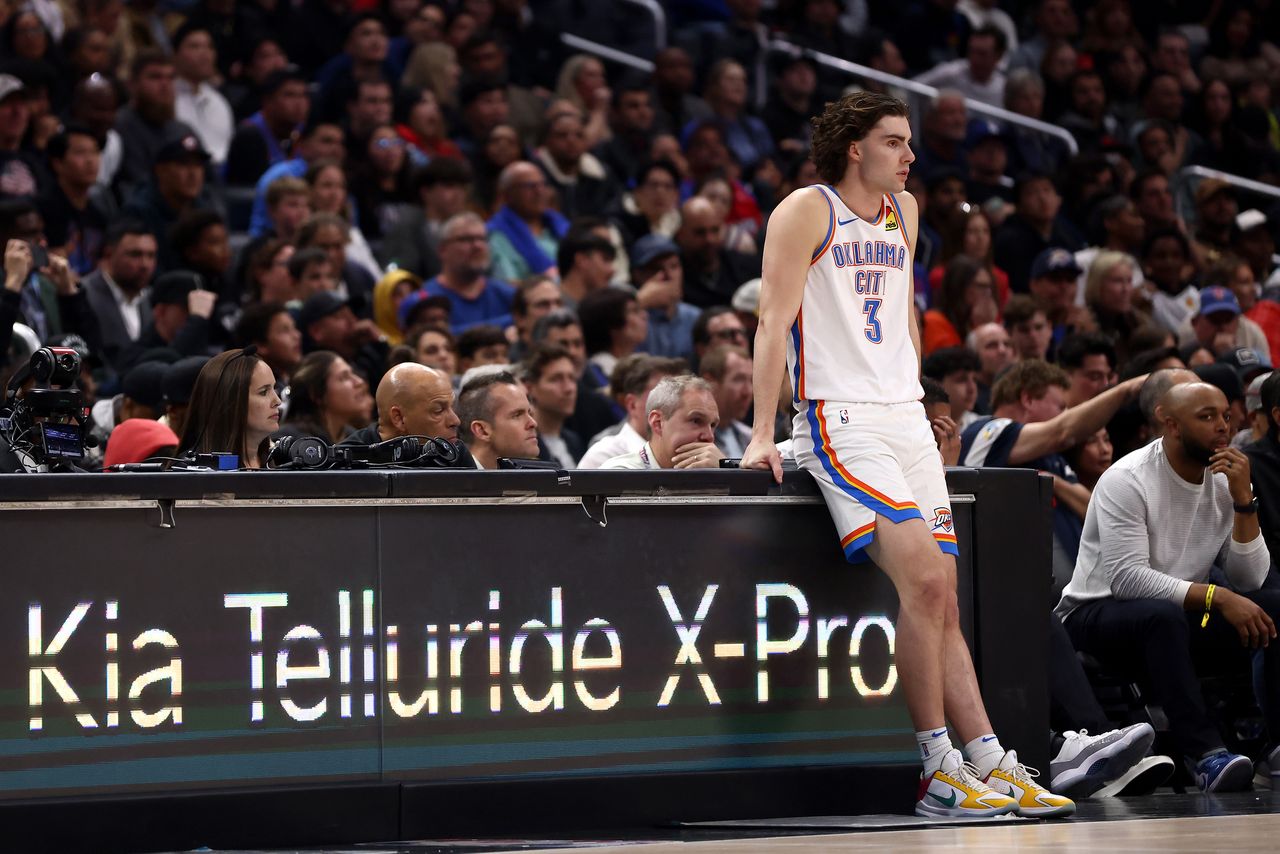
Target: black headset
(311, 453)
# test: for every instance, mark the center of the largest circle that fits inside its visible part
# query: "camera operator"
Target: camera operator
(234, 408)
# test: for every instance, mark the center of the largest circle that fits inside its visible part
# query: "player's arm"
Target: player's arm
(1074, 425)
(796, 228)
(911, 221)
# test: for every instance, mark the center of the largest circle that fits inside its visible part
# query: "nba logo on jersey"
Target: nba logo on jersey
(942, 518)
(844, 416)
(890, 220)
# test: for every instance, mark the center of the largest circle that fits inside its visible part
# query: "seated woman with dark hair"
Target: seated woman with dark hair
(234, 408)
(967, 300)
(327, 399)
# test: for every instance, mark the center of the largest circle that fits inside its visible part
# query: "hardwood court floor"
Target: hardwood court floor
(1161, 823)
(1163, 835)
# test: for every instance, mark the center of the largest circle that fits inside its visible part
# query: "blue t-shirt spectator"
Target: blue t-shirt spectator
(493, 305)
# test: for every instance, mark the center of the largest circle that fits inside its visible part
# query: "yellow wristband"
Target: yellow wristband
(1208, 603)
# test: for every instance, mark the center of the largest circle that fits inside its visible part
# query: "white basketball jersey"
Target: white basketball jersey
(850, 342)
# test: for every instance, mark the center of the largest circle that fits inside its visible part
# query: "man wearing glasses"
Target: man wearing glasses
(464, 260)
(717, 326)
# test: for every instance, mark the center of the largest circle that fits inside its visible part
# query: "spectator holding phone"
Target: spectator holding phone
(40, 290)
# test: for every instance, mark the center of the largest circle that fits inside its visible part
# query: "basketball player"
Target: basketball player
(836, 308)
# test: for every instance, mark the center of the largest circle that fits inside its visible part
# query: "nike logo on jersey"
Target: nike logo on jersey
(846, 221)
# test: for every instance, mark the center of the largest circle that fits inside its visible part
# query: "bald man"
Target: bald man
(413, 400)
(1141, 599)
(712, 273)
(524, 235)
(1153, 392)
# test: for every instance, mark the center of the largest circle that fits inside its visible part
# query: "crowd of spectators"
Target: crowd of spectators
(347, 187)
(359, 221)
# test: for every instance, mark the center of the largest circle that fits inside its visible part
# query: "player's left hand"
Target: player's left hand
(697, 455)
(1235, 465)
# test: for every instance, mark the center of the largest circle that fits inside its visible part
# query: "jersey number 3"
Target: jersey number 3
(871, 308)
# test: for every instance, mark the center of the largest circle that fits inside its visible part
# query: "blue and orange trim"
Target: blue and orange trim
(855, 544)
(895, 511)
(880, 216)
(831, 229)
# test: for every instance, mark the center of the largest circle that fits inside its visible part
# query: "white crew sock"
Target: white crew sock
(934, 746)
(985, 753)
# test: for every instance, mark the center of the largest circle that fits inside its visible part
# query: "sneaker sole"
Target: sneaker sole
(1047, 812)
(1142, 779)
(1236, 777)
(928, 811)
(1087, 781)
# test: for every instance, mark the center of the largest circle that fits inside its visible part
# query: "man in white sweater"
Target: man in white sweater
(1140, 600)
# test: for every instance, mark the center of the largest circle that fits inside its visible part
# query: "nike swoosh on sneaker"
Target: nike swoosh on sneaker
(946, 802)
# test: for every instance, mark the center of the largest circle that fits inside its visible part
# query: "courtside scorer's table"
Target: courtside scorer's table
(276, 658)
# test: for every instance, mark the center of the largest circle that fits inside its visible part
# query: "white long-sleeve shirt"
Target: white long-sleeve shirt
(1149, 534)
(625, 441)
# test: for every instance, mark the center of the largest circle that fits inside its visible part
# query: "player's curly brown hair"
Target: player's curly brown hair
(844, 121)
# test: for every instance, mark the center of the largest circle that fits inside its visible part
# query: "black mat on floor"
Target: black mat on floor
(845, 822)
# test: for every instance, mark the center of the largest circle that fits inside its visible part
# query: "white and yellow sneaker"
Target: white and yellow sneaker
(1017, 781)
(954, 791)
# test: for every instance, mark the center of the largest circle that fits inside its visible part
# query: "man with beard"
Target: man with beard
(147, 122)
(1140, 599)
(712, 272)
(117, 289)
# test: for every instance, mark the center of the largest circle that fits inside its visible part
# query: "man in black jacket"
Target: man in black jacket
(712, 273)
(413, 400)
(117, 289)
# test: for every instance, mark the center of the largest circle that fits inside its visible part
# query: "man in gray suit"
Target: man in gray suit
(117, 288)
